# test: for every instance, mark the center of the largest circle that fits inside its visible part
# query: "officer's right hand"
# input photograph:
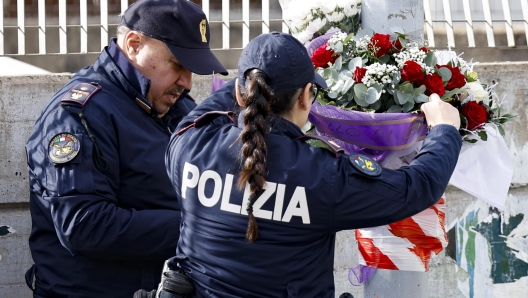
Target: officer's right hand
(439, 112)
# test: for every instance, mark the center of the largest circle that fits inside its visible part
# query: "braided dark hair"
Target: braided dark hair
(259, 100)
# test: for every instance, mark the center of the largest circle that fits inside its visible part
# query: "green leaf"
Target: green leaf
(355, 62)
(402, 98)
(332, 94)
(419, 90)
(338, 47)
(445, 73)
(396, 78)
(394, 109)
(378, 87)
(501, 130)
(430, 59)
(449, 94)
(421, 98)
(363, 32)
(483, 135)
(349, 37)
(331, 73)
(338, 63)
(408, 106)
(375, 106)
(384, 59)
(406, 88)
(360, 94)
(397, 30)
(348, 84)
(372, 95)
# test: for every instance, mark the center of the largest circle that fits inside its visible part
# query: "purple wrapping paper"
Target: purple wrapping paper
(372, 134)
(217, 83)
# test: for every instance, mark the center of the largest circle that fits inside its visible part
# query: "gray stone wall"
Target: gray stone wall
(464, 269)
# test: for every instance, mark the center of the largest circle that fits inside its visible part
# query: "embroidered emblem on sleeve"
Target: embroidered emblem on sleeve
(63, 148)
(365, 165)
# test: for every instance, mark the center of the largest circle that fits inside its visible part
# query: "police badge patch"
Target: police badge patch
(63, 148)
(365, 165)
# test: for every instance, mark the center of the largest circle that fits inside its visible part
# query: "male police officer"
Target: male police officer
(104, 212)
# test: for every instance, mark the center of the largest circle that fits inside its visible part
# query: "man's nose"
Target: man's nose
(185, 79)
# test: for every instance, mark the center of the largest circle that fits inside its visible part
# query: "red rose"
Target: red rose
(398, 45)
(424, 49)
(321, 57)
(458, 80)
(412, 72)
(359, 73)
(382, 44)
(433, 84)
(475, 113)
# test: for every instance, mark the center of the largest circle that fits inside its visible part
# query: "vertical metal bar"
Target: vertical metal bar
(205, 8)
(225, 24)
(448, 24)
(509, 24)
(245, 23)
(124, 6)
(429, 24)
(42, 26)
(1, 27)
(524, 6)
(469, 24)
(489, 23)
(84, 26)
(21, 27)
(265, 16)
(63, 49)
(104, 23)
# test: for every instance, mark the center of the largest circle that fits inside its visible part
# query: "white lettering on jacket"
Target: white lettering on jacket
(298, 205)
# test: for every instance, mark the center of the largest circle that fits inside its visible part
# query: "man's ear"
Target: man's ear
(132, 44)
(238, 95)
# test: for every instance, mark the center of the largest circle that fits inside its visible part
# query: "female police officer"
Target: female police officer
(299, 196)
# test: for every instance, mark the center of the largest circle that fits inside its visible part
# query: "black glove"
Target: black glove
(144, 294)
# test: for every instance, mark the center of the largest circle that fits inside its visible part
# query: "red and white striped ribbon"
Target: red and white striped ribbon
(406, 244)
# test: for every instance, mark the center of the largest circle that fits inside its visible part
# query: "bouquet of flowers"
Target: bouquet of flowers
(308, 19)
(378, 73)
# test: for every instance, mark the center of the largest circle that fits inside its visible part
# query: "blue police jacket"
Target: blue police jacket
(310, 194)
(102, 233)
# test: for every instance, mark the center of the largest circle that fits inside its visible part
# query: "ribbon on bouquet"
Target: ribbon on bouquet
(372, 134)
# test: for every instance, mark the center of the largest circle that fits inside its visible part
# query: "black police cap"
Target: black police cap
(182, 26)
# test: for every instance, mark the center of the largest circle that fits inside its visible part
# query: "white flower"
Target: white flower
(328, 6)
(333, 30)
(335, 17)
(476, 91)
(315, 25)
(379, 74)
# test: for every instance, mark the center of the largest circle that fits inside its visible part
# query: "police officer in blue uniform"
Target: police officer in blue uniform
(103, 209)
(260, 207)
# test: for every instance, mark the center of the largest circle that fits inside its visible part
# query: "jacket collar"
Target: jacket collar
(276, 125)
(114, 65)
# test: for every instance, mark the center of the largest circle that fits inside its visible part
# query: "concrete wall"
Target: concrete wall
(487, 255)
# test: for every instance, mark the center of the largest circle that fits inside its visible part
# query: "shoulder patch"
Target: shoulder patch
(63, 148)
(318, 141)
(365, 165)
(80, 93)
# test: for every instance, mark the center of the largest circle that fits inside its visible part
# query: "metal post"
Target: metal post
(381, 16)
